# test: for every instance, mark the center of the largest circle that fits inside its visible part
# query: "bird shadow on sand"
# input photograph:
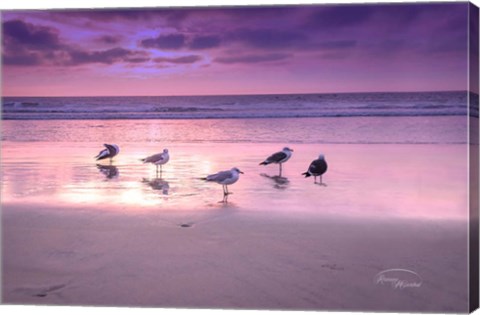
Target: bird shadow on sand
(212, 215)
(193, 219)
(279, 182)
(42, 290)
(157, 183)
(109, 171)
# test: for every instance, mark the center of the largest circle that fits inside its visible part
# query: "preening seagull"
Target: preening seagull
(109, 152)
(279, 158)
(225, 178)
(158, 159)
(318, 167)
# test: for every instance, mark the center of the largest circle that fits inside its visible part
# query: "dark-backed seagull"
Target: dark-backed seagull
(318, 167)
(279, 158)
(109, 152)
(225, 178)
(158, 159)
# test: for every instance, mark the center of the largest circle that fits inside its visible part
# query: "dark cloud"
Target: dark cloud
(205, 42)
(109, 39)
(336, 44)
(109, 15)
(78, 57)
(261, 12)
(148, 16)
(439, 44)
(340, 16)
(268, 38)
(334, 55)
(252, 58)
(25, 44)
(168, 42)
(179, 60)
(18, 33)
(137, 59)
(21, 59)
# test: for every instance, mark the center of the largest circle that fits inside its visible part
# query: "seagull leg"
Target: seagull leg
(280, 168)
(314, 179)
(225, 195)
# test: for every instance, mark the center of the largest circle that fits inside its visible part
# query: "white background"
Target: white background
(46, 4)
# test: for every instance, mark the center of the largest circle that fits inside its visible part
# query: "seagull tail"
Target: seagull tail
(307, 174)
(202, 178)
(264, 163)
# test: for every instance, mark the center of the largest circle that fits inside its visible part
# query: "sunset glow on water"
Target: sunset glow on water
(365, 180)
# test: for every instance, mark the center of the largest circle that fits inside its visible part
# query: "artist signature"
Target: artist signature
(398, 278)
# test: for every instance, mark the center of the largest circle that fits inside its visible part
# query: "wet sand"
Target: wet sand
(365, 181)
(230, 259)
(75, 233)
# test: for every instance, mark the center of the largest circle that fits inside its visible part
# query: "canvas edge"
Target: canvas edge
(473, 156)
(1, 174)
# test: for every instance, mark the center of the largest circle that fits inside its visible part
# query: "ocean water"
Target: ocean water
(389, 154)
(239, 106)
(434, 117)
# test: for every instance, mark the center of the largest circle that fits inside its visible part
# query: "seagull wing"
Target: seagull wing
(102, 154)
(276, 157)
(112, 149)
(220, 176)
(154, 158)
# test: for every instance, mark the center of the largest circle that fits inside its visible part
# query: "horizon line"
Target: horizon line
(247, 94)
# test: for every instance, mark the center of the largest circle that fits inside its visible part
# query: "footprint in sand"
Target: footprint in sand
(186, 225)
(41, 291)
(332, 267)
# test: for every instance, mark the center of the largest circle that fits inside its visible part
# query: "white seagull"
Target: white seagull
(279, 158)
(109, 152)
(318, 167)
(225, 178)
(158, 159)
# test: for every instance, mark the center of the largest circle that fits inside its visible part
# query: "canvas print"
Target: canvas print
(302, 157)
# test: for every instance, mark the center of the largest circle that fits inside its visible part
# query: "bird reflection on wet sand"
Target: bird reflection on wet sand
(280, 182)
(157, 183)
(109, 171)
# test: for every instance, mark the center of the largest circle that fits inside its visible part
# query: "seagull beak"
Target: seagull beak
(241, 172)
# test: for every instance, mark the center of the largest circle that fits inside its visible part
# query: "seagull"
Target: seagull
(279, 158)
(224, 178)
(158, 159)
(318, 167)
(109, 152)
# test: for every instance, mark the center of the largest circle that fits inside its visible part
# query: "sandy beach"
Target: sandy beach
(77, 234)
(229, 259)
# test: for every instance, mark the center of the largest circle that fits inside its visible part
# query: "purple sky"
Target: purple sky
(249, 50)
